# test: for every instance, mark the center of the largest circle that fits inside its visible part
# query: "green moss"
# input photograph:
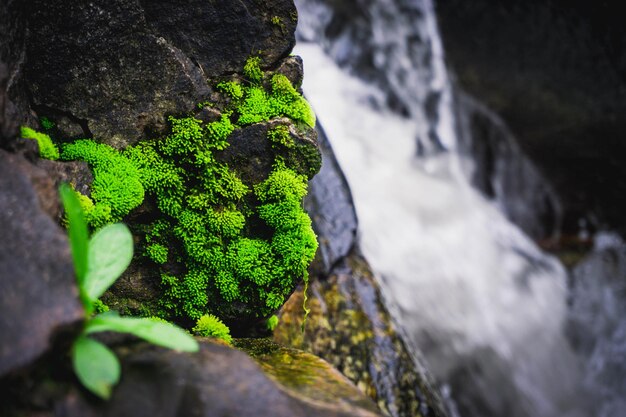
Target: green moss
(158, 253)
(47, 149)
(46, 124)
(224, 247)
(256, 103)
(116, 188)
(232, 89)
(280, 136)
(272, 322)
(100, 307)
(210, 326)
(252, 69)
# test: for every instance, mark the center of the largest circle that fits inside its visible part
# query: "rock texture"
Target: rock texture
(554, 72)
(217, 381)
(332, 210)
(38, 296)
(350, 327)
(122, 65)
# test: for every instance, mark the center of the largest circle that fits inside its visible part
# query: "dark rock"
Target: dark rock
(555, 73)
(127, 63)
(331, 208)
(351, 328)
(216, 381)
(38, 295)
(117, 76)
(219, 36)
(504, 173)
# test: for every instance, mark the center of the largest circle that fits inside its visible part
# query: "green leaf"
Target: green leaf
(163, 334)
(110, 253)
(96, 366)
(77, 231)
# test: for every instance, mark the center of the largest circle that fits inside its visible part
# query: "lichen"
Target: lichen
(47, 149)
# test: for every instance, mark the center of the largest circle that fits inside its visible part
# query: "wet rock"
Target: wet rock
(331, 208)
(504, 173)
(38, 295)
(349, 327)
(308, 377)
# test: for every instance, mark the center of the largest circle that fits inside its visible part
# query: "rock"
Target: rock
(331, 208)
(308, 377)
(38, 295)
(128, 63)
(349, 327)
(216, 381)
(504, 173)
(554, 72)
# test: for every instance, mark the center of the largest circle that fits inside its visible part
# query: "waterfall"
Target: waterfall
(480, 301)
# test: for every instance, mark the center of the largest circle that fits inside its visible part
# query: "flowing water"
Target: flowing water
(486, 308)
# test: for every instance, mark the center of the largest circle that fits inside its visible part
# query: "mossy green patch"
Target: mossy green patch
(47, 149)
(211, 326)
(117, 186)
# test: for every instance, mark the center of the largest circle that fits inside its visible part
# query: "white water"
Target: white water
(465, 284)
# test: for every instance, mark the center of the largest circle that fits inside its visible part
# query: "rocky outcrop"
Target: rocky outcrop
(121, 66)
(332, 210)
(350, 327)
(554, 73)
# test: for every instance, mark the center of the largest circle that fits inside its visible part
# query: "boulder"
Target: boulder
(38, 295)
(121, 66)
(350, 327)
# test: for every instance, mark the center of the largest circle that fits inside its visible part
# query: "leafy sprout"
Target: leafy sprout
(98, 262)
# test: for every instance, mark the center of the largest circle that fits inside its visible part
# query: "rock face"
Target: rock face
(332, 210)
(38, 296)
(350, 328)
(217, 381)
(121, 66)
(554, 72)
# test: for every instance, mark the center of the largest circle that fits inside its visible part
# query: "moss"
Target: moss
(223, 247)
(272, 322)
(280, 136)
(256, 103)
(116, 188)
(100, 307)
(47, 149)
(232, 89)
(46, 124)
(252, 69)
(211, 326)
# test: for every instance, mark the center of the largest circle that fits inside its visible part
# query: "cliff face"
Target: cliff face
(554, 73)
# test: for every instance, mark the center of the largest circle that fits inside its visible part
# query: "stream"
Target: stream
(503, 327)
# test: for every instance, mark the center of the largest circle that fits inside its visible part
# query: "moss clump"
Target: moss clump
(46, 124)
(263, 99)
(212, 230)
(117, 186)
(280, 136)
(252, 69)
(47, 149)
(211, 326)
(223, 247)
(271, 323)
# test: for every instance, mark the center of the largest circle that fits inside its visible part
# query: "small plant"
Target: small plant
(272, 322)
(98, 262)
(211, 326)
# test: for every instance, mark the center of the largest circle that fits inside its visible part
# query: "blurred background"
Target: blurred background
(483, 142)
